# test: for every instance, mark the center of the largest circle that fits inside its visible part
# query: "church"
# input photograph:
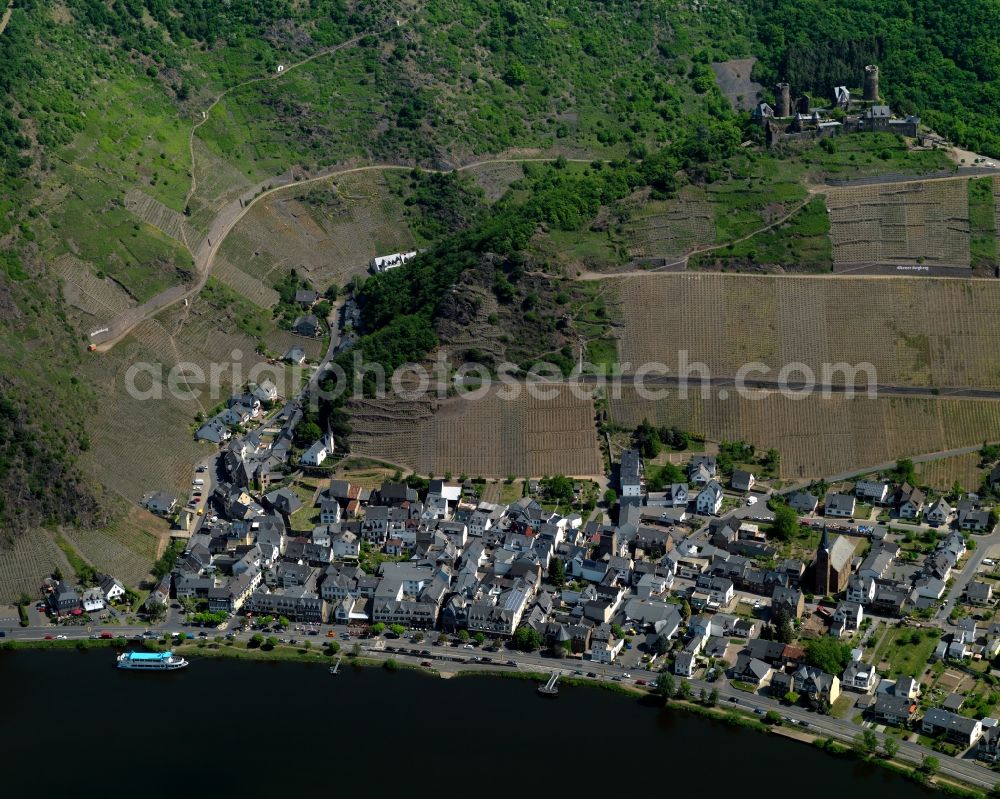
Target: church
(832, 566)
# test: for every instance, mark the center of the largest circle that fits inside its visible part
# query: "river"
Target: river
(236, 728)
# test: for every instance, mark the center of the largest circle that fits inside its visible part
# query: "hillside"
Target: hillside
(200, 151)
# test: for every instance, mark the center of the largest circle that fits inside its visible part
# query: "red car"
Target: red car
(48, 637)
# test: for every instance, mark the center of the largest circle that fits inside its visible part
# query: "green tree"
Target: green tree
(527, 639)
(271, 642)
(557, 572)
(713, 697)
(479, 638)
(647, 439)
(786, 522)
(686, 609)
(610, 497)
(772, 717)
(791, 698)
(256, 640)
(390, 665)
(930, 765)
(665, 684)
(398, 629)
(828, 654)
(890, 747)
(866, 743)
(332, 648)
(684, 689)
(463, 636)
(378, 628)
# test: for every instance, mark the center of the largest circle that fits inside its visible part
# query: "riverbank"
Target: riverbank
(734, 717)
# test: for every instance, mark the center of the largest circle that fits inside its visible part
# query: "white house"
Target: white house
(112, 589)
(318, 452)
(709, 498)
(859, 676)
(92, 600)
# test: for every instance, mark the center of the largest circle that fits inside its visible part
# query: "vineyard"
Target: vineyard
(817, 436)
(101, 299)
(219, 182)
(258, 292)
(26, 562)
(921, 222)
(126, 548)
(139, 445)
(672, 228)
(328, 234)
(488, 436)
(164, 219)
(944, 473)
(913, 332)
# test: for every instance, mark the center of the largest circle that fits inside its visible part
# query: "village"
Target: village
(866, 602)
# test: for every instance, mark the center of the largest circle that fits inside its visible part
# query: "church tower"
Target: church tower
(821, 568)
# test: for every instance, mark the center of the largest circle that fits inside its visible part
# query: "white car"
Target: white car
(60, 637)
(751, 500)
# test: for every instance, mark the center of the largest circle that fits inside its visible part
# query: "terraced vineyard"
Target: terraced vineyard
(820, 437)
(913, 332)
(26, 562)
(99, 299)
(126, 548)
(328, 233)
(258, 292)
(140, 445)
(920, 222)
(491, 437)
(671, 228)
(168, 221)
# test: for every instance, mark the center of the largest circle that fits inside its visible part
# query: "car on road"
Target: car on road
(48, 637)
(751, 501)
(425, 663)
(331, 634)
(425, 652)
(511, 662)
(591, 673)
(469, 646)
(733, 699)
(640, 682)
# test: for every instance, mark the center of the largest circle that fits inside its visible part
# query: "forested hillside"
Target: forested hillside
(939, 59)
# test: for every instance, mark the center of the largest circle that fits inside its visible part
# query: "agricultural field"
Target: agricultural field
(126, 548)
(26, 561)
(672, 228)
(802, 243)
(913, 332)
(942, 474)
(983, 212)
(862, 155)
(328, 232)
(916, 222)
(141, 445)
(489, 437)
(816, 436)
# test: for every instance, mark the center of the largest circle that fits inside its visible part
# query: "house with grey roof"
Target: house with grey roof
(958, 729)
(839, 505)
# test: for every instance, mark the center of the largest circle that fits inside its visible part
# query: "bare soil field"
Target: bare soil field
(914, 332)
(487, 437)
(819, 437)
(919, 222)
(734, 82)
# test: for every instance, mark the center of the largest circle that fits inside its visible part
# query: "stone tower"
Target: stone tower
(871, 83)
(784, 108)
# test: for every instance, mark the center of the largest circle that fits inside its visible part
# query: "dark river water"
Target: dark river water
(69, 720)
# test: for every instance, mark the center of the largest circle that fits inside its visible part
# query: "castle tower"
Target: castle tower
(784, 108)
(871, 83)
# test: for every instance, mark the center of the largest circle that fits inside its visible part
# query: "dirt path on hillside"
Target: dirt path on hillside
(6, 16)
